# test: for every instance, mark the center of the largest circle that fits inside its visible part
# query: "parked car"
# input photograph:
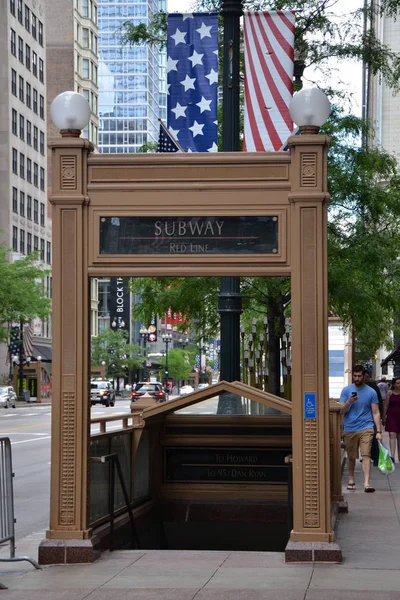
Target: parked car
(186, 389)
(102, 392)
(8, 397)
(153, 389)
(201, 386)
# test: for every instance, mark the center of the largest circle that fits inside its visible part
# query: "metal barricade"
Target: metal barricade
(7, 520)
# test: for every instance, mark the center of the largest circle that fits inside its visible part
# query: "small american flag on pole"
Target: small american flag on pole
(268, 86)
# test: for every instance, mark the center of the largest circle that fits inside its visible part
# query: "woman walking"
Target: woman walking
(391, 417)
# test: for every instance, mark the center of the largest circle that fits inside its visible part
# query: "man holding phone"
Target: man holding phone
(359, 404)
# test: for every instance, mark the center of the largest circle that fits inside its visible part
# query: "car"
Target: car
(201, 386)
(101, 392)
(186, 389)
(152, 389)
(8, 397)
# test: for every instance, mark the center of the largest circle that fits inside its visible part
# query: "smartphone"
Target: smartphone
(354, 393)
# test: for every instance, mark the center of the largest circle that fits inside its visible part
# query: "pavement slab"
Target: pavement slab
(273, 578)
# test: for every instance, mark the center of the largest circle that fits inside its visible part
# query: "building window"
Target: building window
(22, 165)
(34, 26)
(12, 7)
(85, 8)
(48, 253)
(15, 200)
(42, 249)
(13, 82)
(28, 243)
(28, 95)
(22, 241)
(35, 178)
(20, 49)
(14, 121)
(20, 11)
(13, 40)
(42, 214)
(85, 68)
(41, 142)
(34, 63)
(29, 133)
(27, 18)
(22, 204)
(41, 33)
(41, 106)
(35, 243)
(85, 37)
(94, 74)
(21, 127)
(42, 178)
(21, 89)
(35, 108)
(41, 70)
(35, 137)
(14, 161)
(15, 239)
(35, 212)
(29, 207)
(28, 57)
(29, 170)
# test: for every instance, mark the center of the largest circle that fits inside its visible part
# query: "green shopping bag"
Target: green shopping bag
(385, 463)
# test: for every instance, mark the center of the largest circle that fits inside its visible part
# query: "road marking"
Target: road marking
(32, 440)
(26, 427)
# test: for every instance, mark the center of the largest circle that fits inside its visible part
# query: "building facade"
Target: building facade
(131, 79)
(24, 223)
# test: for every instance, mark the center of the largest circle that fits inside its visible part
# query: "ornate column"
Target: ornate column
(68, 534)
(311, 538)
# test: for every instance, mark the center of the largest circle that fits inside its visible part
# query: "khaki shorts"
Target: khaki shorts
(358, 439)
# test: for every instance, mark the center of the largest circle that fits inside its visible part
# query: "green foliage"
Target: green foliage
(22, 293)
(148, 148)
(155, 33)
(180, 364)
(111, 347)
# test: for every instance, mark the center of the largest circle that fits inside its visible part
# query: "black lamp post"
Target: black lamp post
(144, 335)
(167, 339)
(230, 300)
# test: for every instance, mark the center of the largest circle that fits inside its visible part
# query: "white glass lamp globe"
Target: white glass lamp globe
(70, 111)
(309, 109)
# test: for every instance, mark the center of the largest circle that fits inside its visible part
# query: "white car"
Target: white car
(186, 389)
(8, 396)
(201, 386)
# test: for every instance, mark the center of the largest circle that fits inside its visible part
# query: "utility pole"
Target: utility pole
(230, 300)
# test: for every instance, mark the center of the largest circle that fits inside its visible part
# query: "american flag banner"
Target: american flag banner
(14, 344)
(192, 80)
(28, 339)
(268, 83)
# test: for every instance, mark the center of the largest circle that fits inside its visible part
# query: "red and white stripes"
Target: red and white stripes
(28, 340)
(268, 87)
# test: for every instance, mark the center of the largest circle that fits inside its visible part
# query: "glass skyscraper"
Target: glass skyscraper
(132, 87)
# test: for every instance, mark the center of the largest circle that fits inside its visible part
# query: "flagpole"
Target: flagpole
(230, 300)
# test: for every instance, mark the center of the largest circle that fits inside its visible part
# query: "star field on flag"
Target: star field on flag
(192, 78)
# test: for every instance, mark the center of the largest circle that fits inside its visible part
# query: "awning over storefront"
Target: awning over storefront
(44, 351)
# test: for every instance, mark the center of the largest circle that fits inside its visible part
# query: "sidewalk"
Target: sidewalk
(369, 536)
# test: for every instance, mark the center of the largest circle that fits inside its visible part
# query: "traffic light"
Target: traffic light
(166, 373)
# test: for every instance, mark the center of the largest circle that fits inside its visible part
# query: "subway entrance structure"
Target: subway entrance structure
(229, 214)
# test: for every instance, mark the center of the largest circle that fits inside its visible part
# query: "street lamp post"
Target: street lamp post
(167, 339)
(144, 335)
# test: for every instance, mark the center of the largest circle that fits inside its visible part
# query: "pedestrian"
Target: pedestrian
(375, 446)
(391, 417)
(383, 388)
(359, 405)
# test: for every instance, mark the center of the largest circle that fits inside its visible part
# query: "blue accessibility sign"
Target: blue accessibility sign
(310, 405)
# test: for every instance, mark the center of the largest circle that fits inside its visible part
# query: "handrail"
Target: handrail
(103, 420)
(113, 461)
(335, 434)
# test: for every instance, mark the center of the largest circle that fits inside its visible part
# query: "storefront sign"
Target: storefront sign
(119, 304)
(189, 235)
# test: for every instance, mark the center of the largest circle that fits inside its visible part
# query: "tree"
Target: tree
(111, 348)
(22, 293)
(180, 364)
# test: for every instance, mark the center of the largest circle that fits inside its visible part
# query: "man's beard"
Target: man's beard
(358, 384)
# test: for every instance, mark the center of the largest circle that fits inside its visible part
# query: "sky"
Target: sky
(350, 72)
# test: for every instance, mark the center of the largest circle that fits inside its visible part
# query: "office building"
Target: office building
(24, 223)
